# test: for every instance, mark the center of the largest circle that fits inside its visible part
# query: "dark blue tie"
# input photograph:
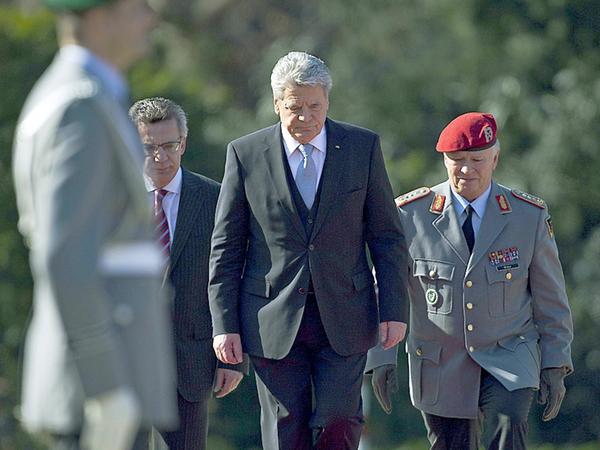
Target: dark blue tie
(468, 228)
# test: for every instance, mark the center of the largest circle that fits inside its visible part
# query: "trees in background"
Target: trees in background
(402, 68)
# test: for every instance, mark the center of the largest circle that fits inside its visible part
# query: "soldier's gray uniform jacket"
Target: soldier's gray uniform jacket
(503, 308)
(98, 321)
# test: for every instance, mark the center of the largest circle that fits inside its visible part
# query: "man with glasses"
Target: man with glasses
(99, 355)
(184, 204)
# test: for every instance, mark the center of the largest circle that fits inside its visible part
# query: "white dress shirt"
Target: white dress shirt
(294, 157)
(479, 204)
(170, 201)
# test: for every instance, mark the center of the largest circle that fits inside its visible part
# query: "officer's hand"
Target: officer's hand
(384, 383)
(228, 348)
(226, 381)
(111, 420)
(552, 391)
(390, 333)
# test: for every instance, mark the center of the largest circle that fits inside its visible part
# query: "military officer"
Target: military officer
(489, 317)
(99, 360)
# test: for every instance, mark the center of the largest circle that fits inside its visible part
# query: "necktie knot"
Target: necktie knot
(306, 150)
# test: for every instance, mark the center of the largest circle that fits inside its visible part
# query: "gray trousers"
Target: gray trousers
(502, 422)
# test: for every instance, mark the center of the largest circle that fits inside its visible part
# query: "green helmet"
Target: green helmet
(73, 5)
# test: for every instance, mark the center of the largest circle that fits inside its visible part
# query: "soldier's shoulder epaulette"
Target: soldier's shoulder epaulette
(412, 196)
(529, 198)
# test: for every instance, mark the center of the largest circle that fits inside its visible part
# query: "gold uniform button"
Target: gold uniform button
(508, 275)
(470, 327)
(418, 351)
(471, 349)
(469, 305)
(432, 274)
(469, 284)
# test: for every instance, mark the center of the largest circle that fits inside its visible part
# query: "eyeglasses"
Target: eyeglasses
(168, 147)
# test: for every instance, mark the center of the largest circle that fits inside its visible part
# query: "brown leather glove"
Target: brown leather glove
(552, 391)
(384, 382)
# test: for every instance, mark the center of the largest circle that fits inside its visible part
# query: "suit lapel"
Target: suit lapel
(491, 226)
(191, 203)
(448, 225)
(332, 172)
(273, 154)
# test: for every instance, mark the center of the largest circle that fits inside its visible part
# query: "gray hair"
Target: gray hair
(157, 109)
(299, 69)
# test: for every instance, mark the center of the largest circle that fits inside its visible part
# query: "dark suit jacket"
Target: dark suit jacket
(196, 361)
(262, 259)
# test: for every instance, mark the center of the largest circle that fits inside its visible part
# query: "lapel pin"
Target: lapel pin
(337, 146)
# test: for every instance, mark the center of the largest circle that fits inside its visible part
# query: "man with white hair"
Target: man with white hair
(489, 316)
(289, 279)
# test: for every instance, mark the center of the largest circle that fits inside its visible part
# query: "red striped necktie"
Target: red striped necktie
(162, 225)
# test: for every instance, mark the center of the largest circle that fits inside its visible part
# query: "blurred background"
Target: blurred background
(403, 68)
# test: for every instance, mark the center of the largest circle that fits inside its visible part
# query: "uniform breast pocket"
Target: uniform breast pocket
(436, 279)
(507, 291)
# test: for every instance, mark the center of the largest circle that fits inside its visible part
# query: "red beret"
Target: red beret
(471, 131)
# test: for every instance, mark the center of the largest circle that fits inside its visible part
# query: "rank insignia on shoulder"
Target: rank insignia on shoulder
(412, 196)
(529, 198)
(503, 204)
(437, 204)
(550, 227)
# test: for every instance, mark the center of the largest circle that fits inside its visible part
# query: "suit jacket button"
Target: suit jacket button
(471, 349)
(508, 275)
(469, 284)
(469, 305)
(418, 351)
(310, 220)
(311, 247)
(302, 291)
(470, 327)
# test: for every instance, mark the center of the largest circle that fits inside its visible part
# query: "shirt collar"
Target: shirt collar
(108, 75)
(319, 142)
(479, 204)
(173, 186)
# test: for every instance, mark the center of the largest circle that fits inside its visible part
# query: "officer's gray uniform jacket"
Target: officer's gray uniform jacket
(506, 314)
(98, 321)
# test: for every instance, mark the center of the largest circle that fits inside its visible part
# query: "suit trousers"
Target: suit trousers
(502, 422)
(193, 425)
(310, 398)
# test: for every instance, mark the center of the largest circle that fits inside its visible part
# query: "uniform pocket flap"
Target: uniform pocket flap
(256, 286)
(511, 342)
(433, 269)
(424, 350)
(362, 280)
(503, 275)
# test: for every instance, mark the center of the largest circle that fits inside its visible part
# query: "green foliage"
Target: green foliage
(402, 68)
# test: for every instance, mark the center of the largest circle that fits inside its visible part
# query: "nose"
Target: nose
(160, 155)
(465, 168)
(305, 114)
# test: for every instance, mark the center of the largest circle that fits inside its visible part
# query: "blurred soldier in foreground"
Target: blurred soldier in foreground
(489, 319)
(99, 360)
(184, 205)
